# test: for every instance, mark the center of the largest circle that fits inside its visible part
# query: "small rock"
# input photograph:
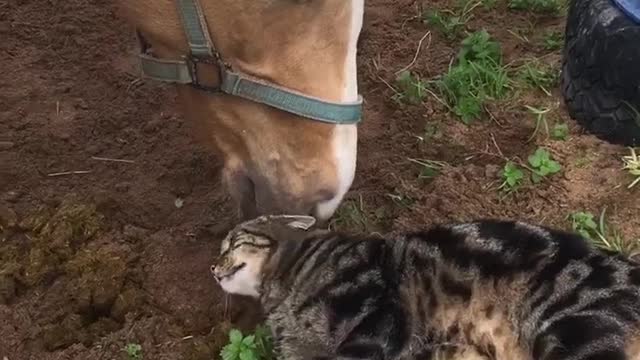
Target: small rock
(82, 104)
(473, 171)
(7, 289)
(63, 333)
(63, 135)
(603, 180)
(460, 177)
(6, 145)
(12, 196)
(20, 124)
(8, 217)
(491, 171)
(151, 126)
(53, 202)
(82, 298)
(439, 204)
(94, 149)
(69, 28)
(134, 232)
(105, 295)
(106, 204)
(129, 300)
(122, 187)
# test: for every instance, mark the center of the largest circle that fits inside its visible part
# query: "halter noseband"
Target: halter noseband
(235, 83)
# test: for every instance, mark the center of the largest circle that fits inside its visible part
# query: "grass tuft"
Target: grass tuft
(133, 351)
(258, 346)
(452, 23)
(552, 7)
(536, 74)
(477, 77)
(411, 90)
(601, 235)
(429, 169)
(632, 165)
(543, 165)
(553, 40)
(447, 22)
(513, 177)
(560, 131)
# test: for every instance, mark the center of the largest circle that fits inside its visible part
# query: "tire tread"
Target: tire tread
(596, 82)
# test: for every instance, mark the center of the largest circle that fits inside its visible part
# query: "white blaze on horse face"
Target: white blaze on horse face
(345, 137)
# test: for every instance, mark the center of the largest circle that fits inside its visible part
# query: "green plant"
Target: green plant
(451, 23)
(264, 342)
(584, 160)
(584, 224)
(541, 119)
(258, 346)
(133, 351)
(489, 4)
(543, 165)
(535, 74)
(478, 76)
(632, 164)
(352, 214)
(539, 6)
(412, 90)
(601, 236)
(429, 169)
(432, 131)
(401, 200)
(520, 34)
(468, 109)
(479, 46)
(469, 4)
(447, 22)
(560, 131)
(553, 40)
(512, 176)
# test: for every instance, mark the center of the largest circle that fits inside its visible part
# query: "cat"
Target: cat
(489, 289)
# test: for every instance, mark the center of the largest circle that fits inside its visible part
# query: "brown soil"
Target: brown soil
(92, 261)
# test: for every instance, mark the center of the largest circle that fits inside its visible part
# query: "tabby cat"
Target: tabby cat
(489, 289)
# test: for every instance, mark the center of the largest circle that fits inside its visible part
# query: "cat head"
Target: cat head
(246, 249)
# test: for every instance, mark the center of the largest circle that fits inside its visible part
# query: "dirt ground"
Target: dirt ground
(119, 252)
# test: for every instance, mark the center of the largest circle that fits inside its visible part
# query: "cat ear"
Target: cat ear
(302, 222)
(298, 222)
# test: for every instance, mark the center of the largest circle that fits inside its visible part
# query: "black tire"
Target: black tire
(601, 71)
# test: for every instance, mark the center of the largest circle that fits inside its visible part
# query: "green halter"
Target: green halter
(185, 71)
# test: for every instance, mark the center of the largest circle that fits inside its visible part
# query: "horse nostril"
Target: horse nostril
(325, 195)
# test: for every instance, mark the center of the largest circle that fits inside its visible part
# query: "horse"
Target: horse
(271, 85)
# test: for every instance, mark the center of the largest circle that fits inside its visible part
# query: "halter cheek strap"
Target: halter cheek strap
(204, 53)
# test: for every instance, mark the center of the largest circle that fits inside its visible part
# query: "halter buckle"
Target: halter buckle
(210, 85)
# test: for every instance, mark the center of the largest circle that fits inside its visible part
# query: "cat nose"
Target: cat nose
(214, 272)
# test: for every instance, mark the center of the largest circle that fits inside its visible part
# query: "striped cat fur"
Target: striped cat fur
(488, 289)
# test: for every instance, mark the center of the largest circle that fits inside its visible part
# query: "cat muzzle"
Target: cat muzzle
(220, 274)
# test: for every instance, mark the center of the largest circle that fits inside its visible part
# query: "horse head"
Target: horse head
(289, 137)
